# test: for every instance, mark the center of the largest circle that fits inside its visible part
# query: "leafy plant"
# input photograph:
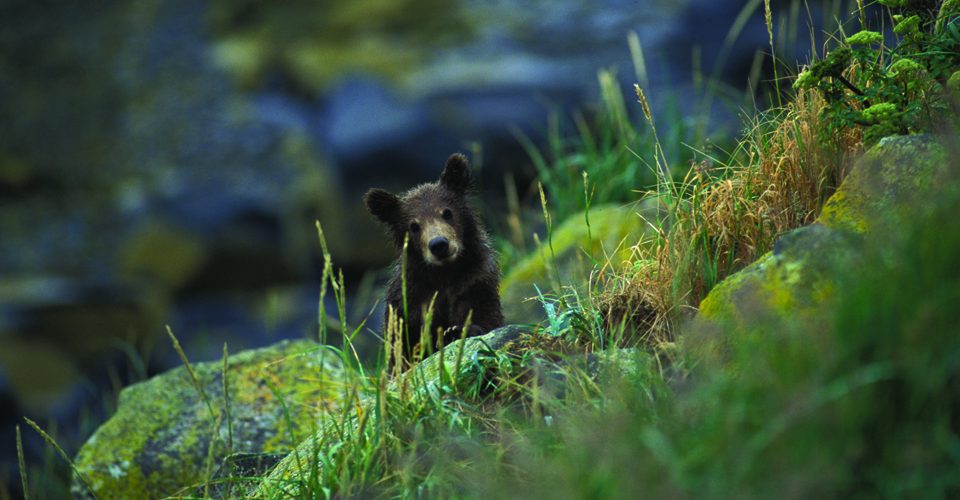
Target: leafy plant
(896, 90)
(574, 320)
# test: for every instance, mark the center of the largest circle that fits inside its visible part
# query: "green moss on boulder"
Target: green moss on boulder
(158, 442)
(887, 185)
(796, 279)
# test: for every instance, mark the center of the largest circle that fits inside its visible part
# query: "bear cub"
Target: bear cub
(448, 254)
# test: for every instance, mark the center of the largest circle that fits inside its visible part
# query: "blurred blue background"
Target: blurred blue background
(163, 162)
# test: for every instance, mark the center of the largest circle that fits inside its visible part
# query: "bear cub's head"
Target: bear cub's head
(435, 215)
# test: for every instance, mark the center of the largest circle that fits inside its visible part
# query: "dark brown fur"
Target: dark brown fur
(469, 279)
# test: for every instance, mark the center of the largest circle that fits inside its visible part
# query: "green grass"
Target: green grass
(617, 155)
(66, 458)
(866, 407)
(22, 463)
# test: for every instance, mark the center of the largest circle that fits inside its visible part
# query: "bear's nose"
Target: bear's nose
(439, 247)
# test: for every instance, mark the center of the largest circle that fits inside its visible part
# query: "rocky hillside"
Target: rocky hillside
(298, 399)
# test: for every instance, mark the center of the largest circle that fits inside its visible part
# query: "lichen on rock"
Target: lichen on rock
(792, 280)
(885, 186)
(164, 434)
(798, 278)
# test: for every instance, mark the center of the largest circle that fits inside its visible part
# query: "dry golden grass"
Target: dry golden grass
(720, 219)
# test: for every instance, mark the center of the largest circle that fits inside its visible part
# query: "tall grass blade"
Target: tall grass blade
(226, 398)
(327, 270)
(463, 335)
(549, 221)
(639, 62)
(193, 376)
(211, 453)
(403, 289)
(587, 198)
(22, 463)
(53, 443)
(768, 20)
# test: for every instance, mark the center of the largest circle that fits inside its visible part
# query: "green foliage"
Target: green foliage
(864, 403)
(574, 320)
(898, 318)
(954, 83)
(865, 38)
(896, 90)
(864, 406)
(834, 408)
(861, 406)
(619, 157)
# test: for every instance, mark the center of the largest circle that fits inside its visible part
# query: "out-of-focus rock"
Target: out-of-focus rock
(797, 279)
(572, 254)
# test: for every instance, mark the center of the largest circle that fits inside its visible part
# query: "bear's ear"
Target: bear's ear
(456, 174)
(383, 205)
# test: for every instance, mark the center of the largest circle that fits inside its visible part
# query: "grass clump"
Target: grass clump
(862, 405)
(615, 157)
(722, 217)
(725, 214)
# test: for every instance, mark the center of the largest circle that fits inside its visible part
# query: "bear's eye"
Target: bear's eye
(447, 214)
(414, 227)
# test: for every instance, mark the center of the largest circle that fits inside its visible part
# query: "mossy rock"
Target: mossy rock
(794, 280)
(887, 186)
(300, 467)
(798, 278)
(613, 231)
(164, 434)
(460, 361)
(463, 366)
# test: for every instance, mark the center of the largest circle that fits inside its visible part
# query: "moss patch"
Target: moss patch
(797, 280)
(158, 441)
(794, 280)
(886, 185)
